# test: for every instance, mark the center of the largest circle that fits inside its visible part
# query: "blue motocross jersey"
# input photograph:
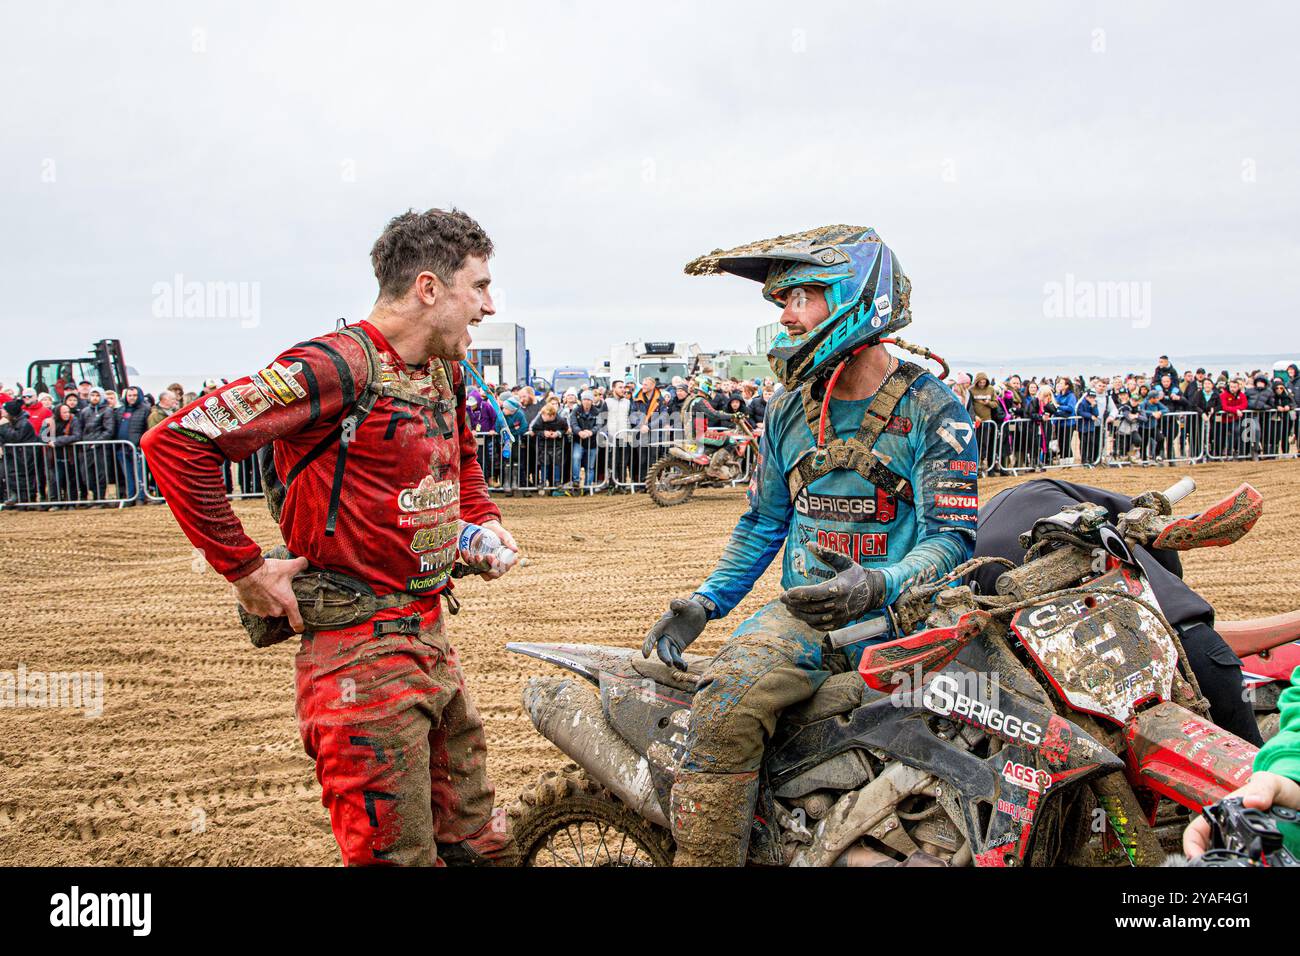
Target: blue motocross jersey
(930, 441)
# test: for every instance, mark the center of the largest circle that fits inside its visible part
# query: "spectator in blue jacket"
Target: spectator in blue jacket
(1063, 423)
(1089, 414)
(1152, 436)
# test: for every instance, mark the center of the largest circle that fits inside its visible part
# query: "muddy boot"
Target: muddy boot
(718, 465)
(712, 814)
(492, 845)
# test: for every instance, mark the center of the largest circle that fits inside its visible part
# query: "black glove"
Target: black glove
(682, 623)
(853, 592)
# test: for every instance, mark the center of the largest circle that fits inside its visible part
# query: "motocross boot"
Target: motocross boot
(711, 815)
(718, 465)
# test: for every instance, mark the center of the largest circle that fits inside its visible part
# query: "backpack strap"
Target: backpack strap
(858, 453)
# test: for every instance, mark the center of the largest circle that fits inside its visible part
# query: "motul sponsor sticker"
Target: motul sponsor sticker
(948, 500)
(1030, 778)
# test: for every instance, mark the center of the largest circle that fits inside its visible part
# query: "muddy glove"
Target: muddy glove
(853, 592)
(682, 623)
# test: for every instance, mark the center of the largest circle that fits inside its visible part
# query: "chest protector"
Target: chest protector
(857, 453)
(442, 410)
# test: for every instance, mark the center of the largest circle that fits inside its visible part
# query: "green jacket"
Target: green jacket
(1281, 755)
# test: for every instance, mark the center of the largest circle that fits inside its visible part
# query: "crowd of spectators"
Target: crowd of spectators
(556, 438)
(81, 447)
(1166, 416)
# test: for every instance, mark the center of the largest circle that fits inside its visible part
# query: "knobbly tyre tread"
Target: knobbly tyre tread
(657, 495)
(570, 796)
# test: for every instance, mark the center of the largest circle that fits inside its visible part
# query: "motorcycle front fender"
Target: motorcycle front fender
(1185, 757)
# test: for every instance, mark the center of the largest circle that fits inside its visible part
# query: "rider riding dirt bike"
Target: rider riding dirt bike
(698, 414)
(866, 474)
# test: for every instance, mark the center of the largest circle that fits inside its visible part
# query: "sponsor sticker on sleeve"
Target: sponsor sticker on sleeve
(281, 383)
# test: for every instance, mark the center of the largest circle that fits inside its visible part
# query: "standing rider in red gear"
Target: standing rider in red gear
(371, 468)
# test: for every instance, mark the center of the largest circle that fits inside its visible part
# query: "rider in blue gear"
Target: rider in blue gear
(867, 476)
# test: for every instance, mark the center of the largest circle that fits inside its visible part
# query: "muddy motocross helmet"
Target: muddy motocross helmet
(867, 294)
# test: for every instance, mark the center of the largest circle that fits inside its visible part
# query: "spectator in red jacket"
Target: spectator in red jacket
(1232, 402)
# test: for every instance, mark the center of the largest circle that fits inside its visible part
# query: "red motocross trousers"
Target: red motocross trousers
(399, 746)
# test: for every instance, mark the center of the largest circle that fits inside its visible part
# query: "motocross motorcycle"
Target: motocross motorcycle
(1055, 722)
(1269, 648)
(689, 465)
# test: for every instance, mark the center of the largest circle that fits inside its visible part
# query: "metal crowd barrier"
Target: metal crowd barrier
(1025, 444)
(537, 464)
(41, 475)
(634, 451)
(1251, 434)
(243, 480)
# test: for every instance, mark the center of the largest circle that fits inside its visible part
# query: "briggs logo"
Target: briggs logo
(856, 508)
(944, 697)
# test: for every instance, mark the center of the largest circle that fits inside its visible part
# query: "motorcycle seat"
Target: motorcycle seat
(1260, 633)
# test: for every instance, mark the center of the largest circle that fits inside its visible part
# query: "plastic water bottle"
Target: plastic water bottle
(481, 548)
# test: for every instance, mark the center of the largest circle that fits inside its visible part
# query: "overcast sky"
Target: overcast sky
(998, 148)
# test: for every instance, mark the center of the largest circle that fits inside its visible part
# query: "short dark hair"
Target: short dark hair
(435, 240)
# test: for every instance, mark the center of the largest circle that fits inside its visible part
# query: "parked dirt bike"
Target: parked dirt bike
(689, 465)
(1055, 722)
(1269, 648)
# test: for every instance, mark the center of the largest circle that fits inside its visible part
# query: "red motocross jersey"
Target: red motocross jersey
(411, 469)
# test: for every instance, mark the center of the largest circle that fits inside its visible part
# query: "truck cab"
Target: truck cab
(103, 368)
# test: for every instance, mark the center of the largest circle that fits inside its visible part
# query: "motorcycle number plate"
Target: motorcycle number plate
(1103, 652)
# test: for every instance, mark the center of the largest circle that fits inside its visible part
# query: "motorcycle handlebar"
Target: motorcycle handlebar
(1179, 490)
(859, 632)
